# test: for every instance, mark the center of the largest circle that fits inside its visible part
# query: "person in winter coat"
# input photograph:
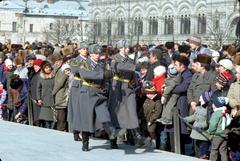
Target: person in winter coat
(234, 90)
(45, 99)
(122, 99)
(60, 94)
(94, 112)
(200, 124)
(20, 99)
(152, 106)
(203, 79)
(33, 91)
(168, 99)
(9, 75)
(233, 132)
(3, 98)
(216, 128)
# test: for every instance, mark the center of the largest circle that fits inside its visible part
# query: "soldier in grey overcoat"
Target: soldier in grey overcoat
(93, 113)
(122, 99)
(74, 101)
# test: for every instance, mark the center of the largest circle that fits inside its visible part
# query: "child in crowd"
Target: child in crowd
(218, 121)
(3, 98)
(233, 132)
(152, 106)
(169, 100)
(200, 124)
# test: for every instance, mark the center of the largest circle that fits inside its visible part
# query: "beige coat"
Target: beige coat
(234, 94)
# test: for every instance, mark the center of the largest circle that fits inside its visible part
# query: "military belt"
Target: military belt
(77, 78)
(91, 84)
(121, 79)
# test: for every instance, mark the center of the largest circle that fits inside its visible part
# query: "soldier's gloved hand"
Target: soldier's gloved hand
(108, 74)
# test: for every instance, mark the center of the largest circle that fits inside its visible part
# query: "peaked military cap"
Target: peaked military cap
(95, 48)
(123, 43)
(83, 44)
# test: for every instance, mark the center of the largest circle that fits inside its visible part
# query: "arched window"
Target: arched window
(185, 24)
(153, 26)
(201, 24)
(97, 28)
(168, 25)
(121, 27)
(138, 26)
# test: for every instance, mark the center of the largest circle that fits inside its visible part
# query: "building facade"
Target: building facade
(43, 20)
(158, 21)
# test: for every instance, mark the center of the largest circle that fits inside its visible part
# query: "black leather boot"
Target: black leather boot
(139, 140)
(76, 136)
(113, 144)
(110, 130)
(85, 141)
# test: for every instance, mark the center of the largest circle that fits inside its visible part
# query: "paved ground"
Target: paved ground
(27, 143)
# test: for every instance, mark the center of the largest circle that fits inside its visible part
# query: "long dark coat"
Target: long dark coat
(122, 99)
(74, 101)
(182, 102)
(33, 95)
(93, 105)
(44, 92)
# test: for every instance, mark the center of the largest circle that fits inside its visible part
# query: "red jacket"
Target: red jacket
(158, 82)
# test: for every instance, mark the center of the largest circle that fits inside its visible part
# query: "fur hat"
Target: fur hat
(194, 40)
(226, 63)
(184, 49)
(67, 51)
(38, 62)
(183, 60)
(18, 61)
(172, 71)
(206, 96)
(159, 70)
(8, 62)
(55, 57)
(169, 45)
(203, 59)
(30, 57)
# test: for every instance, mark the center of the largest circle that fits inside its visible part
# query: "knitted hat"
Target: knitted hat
(172, 71)
(37, 62)
(218, 101)
(159, 70)
(206, 96)
(194, 40)
(203, 58)
(65, 66)
(226, 63)
(222, 79)
(8, 62)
